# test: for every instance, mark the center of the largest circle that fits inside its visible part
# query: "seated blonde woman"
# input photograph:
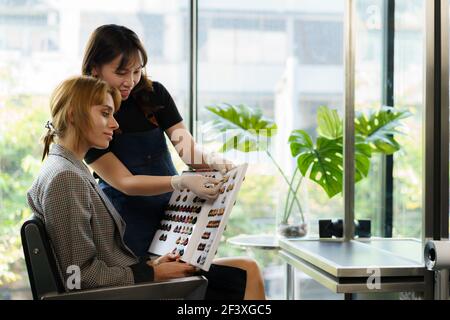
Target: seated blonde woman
(84, 228)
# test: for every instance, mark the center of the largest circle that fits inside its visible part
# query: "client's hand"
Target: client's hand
(171, 270)
(169, 257)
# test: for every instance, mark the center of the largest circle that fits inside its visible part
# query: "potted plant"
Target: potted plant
(374, 133)
(247, 130)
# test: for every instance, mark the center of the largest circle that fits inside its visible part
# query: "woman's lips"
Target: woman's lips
(109, 135)
(125, 93)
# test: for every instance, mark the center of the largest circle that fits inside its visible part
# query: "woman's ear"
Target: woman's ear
(70, 116)
(94, 72)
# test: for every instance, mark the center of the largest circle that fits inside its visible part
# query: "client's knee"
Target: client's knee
(251, 266)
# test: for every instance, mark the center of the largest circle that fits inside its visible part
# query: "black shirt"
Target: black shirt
(131, 118)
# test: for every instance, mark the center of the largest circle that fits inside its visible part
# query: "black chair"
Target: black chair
(46, 283)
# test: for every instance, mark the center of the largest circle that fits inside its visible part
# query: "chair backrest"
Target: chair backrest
(46, 283)
(41, 265)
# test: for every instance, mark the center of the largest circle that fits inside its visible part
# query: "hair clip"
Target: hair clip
(49, 126)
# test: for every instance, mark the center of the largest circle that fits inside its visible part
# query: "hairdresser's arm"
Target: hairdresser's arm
(114, 172)
(192, 153)
(111, 169)
(189, 151)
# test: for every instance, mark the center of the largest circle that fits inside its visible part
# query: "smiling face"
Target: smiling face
(123, 79)
(102, 124)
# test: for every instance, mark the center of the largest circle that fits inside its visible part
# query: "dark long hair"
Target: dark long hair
(109, 41)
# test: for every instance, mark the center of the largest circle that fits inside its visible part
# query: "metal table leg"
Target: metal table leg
(441, 284)
(290, 282)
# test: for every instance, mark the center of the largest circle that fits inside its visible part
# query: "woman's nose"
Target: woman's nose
(129, 81)
(113, 123)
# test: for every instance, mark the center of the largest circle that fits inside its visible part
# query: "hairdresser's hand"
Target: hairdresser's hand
(217, 162)
(205, 188)
(172, 270)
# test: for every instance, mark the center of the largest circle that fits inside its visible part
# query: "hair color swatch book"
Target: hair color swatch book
(192, 226)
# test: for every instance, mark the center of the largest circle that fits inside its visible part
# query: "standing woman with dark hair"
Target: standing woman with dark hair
(136, 171)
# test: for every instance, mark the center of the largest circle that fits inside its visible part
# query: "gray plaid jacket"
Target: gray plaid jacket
(84, 228)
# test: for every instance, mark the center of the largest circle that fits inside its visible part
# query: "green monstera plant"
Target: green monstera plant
(374, 133)
(247, 130)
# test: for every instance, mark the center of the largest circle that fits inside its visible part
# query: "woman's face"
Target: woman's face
(122, 79)
(103, 124)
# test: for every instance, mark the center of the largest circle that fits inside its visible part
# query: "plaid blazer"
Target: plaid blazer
(84, 228)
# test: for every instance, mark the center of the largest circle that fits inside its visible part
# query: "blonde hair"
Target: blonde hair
(76, 96)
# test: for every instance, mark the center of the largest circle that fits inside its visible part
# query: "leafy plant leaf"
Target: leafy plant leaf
(379, 128)
(329, 124)
(245, 129)
(363, 153)
(325, 160)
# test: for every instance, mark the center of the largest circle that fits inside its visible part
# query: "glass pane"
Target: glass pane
(285, 59)
(390, 199)
(449, 119)
(42, 43)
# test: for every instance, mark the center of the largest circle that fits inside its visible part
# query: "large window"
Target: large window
(283, 57)
(286, 59)
(42, 43)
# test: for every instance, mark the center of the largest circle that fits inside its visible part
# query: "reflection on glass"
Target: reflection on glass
(372, 195)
